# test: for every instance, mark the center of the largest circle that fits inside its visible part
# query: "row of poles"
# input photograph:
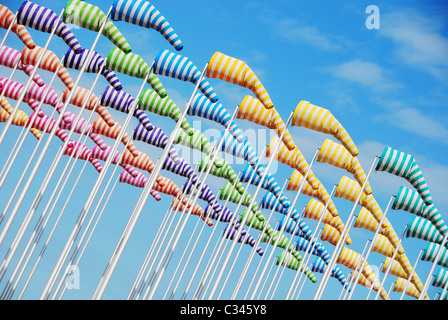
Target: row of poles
(162, 249)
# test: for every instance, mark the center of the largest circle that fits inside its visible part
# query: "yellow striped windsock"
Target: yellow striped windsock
(400, 269)
(330, 234)
(411, 290)
(319, 119)
(321, 193)
(235, 71)
(364, 282)
(20, 117)
(336, 155)
(293, 159)
(253, 110)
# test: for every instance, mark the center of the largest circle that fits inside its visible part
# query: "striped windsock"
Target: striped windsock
(6, 18)
(410, 201)
(319, 265)
(293, 159)
(315, 210)
(20, 117)
(46, 95)
(122, 101)
(165, 107)
(304, 245)
(289, 226)
(12, 89)
(225, 215)
(336, 155)
(182, 168)
(96, 64)
(235, 71)
(197, 210)
(106, 153)
(155, 137)
(431, 251)
(404, 165)
(100, 127)
(44, 19)
(202, 107)
(423, 229)
(10, 57)
(133, 65)
(368, 284)
(441, 278)
(366, 221)
(179, 67)
(139, 181)
(82, 127)
(230, 232)
(49, 62)
(253, 110)
(330, 234)
(224, 171)
(291, 262)
(205, 193)
(144, 14)
(82, 97)
(350, 259)
(45, 123)
(321, 193)
(396, 269)
(228, 192)
(252, 220)
(319, 119)
(282, 242)
(411, 290)
(91, 17)
(81, 152)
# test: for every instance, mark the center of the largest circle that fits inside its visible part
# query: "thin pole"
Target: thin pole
(408, 280)
(324, 280)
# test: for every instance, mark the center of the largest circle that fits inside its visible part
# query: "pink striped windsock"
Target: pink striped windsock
(138, 181)
(104, 154)
(10, 57)
(45, 123)
(80, 151)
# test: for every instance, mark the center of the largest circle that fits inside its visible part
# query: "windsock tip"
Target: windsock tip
(179, 47)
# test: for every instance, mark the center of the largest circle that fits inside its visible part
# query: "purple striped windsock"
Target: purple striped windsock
(80, 151)
(144, 14)
(44, 19)
(138, 181)
(10, 57)
(230, 232)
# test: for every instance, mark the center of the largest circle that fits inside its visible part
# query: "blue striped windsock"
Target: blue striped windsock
(155, 137)
(230, 233)
(202, 107)
(91, 17)
(441, 278)
(423, 229)
(319, 265)
(122, 101)
(165, 107)
(144, 14)
(431, 251)
(315, 248)
(179, 67)
(44, 19)
(410, 201)
(404, 165)
(97, 64)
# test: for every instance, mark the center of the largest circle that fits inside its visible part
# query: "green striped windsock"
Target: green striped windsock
(441, 278)
(431, 252)
(253, 221)
(150, 101)
(228, 192)
(290, 261)
(225, 171)
(91, 17)
(403, 165)
(410, 201)
(133, 65)
(423, 229)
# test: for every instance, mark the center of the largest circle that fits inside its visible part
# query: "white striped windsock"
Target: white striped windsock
(421, 228)
(368, 284)
(411, 290)
(6, 18)
(441, 278)
(431, 251)
(224, 171)
(197, 210)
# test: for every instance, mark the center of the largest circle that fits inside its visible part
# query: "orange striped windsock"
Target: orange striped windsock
(321, 193)
(143, 162)
(319, 119)
(100, 127)
(235, 71)
(253, 110)
(6, 18)
(315, 209)
(179, 205)
(293, 159)
(366, 283)
(330, 234)
(83, 96)
(49, 62)
(336, 155)
(20, 117)
(351, 258)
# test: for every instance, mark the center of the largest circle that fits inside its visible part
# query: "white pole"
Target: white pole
(408, 280)
(8, 30)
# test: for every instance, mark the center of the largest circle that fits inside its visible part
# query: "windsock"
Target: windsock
(224, 215)
(106, 153)
(80, 151)
(411, 290)
(252, 220)
(396, 269)
(44, 19)
(100, 127)
(49, 62)
(45, 123)
(319, 265)
(202, 107)
(179, 205)
(253, 110)
(165, 107)
(96, 64)
(224, 171)
(368, 284)
(122, 101)
(235, 71)
(315, 247)
(10, 57)
(293, 159)
(441, 278)
(138, 181)
(91, 17)
(205, 193)
(423, 229)
(404, 165)
(6, 18)
(291, 262)
(410, 201)
(45, 95)
(319, 119)
(133, 65)
(155, 137)
(144, 14)
(330, 234)
(20, 117)
(431, 251)
(179, 67)
(182, 168)
(167, 186)
(228, 192)
(231, 233)
(336, 155)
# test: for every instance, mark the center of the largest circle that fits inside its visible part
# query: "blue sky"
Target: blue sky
(387, 87)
